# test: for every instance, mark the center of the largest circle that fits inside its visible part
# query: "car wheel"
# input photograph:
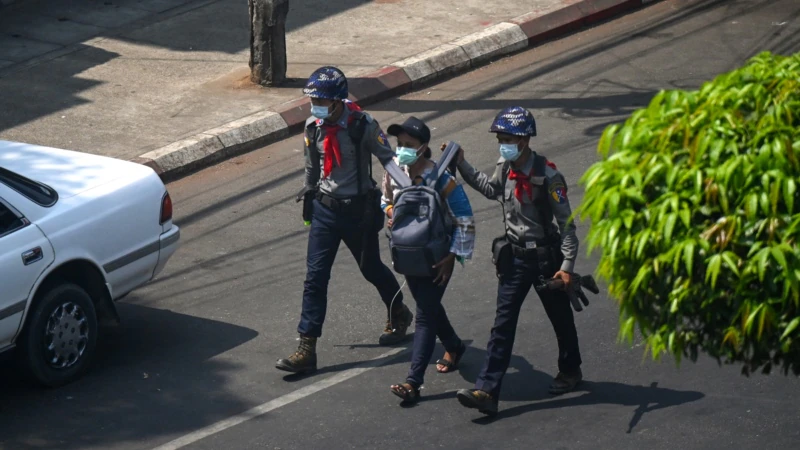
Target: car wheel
(59, 341)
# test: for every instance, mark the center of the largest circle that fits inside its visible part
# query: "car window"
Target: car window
(36, 192)
(10, 221)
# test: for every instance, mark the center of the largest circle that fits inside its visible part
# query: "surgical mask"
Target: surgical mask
(510, 152)
(320, 112)
(406, 156)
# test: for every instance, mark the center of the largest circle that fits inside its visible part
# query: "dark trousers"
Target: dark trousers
(511, 293)
(432, 322)
(328, 229)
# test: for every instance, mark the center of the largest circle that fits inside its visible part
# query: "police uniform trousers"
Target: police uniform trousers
(329, 228)
(511, 293)
(432, 322)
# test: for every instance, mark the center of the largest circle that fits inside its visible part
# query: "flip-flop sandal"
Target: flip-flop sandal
(409, 395)
(450, 366)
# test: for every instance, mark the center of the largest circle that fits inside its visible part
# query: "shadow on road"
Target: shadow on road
(154, 375)
(610, 98)
(523, 383)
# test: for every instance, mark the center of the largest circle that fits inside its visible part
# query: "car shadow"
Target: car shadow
(149, 372)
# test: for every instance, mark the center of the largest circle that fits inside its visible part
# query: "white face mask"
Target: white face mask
(407, 156)
(510, 152)
(320, 112)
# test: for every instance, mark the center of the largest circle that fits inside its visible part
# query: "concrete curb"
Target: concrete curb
(459, 56)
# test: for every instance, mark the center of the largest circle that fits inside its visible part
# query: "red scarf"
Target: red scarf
(330, 144)
(524, 185)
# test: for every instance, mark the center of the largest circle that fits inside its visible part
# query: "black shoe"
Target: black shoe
(565, 382)
(303, 360)
(478, 399)
(395, 330)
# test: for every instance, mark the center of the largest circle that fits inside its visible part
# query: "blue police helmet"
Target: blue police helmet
(327, 82)
(516, 121)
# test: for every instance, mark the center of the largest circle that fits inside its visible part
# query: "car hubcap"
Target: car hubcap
(66, 335)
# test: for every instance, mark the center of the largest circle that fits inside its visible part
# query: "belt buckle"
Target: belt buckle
(530, 245)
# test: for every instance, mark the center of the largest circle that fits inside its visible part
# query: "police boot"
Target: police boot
(303, 360)
(566, 382)
(478, 399)
(396, 326)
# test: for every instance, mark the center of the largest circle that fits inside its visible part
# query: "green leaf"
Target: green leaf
(791, 327)
(669, 227)
(686, 217)
(731, 260)
(713, 269)
(777, 253)
(626, 329)
(752, 317)
(688, 257)
(763, 259)
(789, 191)
(751, 208)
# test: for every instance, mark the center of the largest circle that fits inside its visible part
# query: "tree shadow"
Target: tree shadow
(588, 105)
(41, 93)
(53, 30)
(169, 24)
(154, 375)
(68, 169)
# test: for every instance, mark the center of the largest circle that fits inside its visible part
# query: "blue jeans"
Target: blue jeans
(431, 322)
(511, 293)
(328, 229)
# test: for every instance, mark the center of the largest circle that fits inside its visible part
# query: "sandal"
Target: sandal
(450, 366)
(407, 391)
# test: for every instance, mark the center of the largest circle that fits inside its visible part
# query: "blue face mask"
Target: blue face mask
(406, 156)
(510, 152)
(320, 112)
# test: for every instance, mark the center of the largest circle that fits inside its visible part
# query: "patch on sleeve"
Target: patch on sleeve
(559, 193)
(308, 141)
(382, 138)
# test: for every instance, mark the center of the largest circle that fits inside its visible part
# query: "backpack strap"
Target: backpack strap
(442, 164)
(399, 177)
(539, 168)
(356, 131)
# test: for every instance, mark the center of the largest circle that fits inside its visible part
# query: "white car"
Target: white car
(77, 233)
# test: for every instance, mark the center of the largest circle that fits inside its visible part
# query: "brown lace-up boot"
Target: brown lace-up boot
(303, 360)
(397, 326)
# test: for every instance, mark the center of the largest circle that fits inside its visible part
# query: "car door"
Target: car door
(25, 253)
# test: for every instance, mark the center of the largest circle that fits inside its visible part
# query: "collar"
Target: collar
(528, 167)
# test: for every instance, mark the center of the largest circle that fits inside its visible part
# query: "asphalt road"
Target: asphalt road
(198, 345)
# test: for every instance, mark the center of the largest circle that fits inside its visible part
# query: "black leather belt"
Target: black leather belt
(525, 253)
(541, 249)
(338, 204)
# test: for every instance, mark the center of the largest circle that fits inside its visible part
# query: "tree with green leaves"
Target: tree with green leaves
(695, 206)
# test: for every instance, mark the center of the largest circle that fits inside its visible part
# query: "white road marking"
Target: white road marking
(276, 403)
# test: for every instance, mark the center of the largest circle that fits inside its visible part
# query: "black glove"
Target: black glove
(307, 196)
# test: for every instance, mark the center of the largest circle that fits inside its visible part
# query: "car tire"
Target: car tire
(59, 343)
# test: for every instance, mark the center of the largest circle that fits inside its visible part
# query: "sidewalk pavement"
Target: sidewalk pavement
(166, 83)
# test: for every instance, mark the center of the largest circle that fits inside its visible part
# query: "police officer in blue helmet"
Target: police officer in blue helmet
(340, 192)
(533, 248)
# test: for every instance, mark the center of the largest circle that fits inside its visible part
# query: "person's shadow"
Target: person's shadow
(523, 383)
